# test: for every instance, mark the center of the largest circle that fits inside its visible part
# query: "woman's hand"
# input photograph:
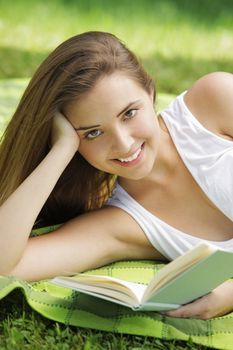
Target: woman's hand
(63, 132)
(217, 303)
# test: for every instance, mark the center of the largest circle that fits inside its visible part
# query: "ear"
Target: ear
(152, 95)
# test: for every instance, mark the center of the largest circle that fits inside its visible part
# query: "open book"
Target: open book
(181, 281)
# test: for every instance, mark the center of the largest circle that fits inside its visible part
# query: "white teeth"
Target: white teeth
(129, 159)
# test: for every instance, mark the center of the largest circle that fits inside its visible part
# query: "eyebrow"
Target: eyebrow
(86, 127)
(95, 126)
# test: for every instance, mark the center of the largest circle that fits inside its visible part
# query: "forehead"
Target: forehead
(114, 85)
(110, 94)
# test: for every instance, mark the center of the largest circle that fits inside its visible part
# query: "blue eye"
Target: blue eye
(131, 113)
(92, 134)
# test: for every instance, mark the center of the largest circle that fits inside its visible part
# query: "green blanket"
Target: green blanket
(77, 309)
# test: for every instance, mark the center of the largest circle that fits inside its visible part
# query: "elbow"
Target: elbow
(13, 272)
(6, 272)
(9, 269)
(25, 273)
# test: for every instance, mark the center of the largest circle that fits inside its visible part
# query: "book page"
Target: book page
(128, 292)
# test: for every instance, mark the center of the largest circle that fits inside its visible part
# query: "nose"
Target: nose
(122, 142)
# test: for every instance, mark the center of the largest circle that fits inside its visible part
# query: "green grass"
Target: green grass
(178, 40)
(21, 328)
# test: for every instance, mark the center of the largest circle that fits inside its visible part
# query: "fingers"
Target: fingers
(197, 309)
(64, 132)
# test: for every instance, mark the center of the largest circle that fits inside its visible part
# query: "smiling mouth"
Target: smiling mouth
(129, 159)
(132, 159)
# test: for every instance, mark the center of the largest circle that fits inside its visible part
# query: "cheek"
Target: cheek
(91, 151)
(150, 126)
(84, 150)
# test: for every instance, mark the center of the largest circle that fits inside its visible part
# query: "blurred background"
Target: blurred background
(177, 40)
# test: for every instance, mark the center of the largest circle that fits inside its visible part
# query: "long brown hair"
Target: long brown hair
(71, 70)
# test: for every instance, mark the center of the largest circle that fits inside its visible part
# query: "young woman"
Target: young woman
(85, 148)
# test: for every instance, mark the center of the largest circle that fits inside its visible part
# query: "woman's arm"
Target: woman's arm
(85, 242)
(19, 212)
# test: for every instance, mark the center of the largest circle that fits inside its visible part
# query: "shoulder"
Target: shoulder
(210, 99)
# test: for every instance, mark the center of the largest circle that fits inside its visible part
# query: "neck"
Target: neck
(167, 158)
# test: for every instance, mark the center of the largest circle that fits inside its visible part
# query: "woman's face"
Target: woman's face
(117, 126)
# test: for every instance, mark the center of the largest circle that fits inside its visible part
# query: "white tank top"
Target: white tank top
(209, 158)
